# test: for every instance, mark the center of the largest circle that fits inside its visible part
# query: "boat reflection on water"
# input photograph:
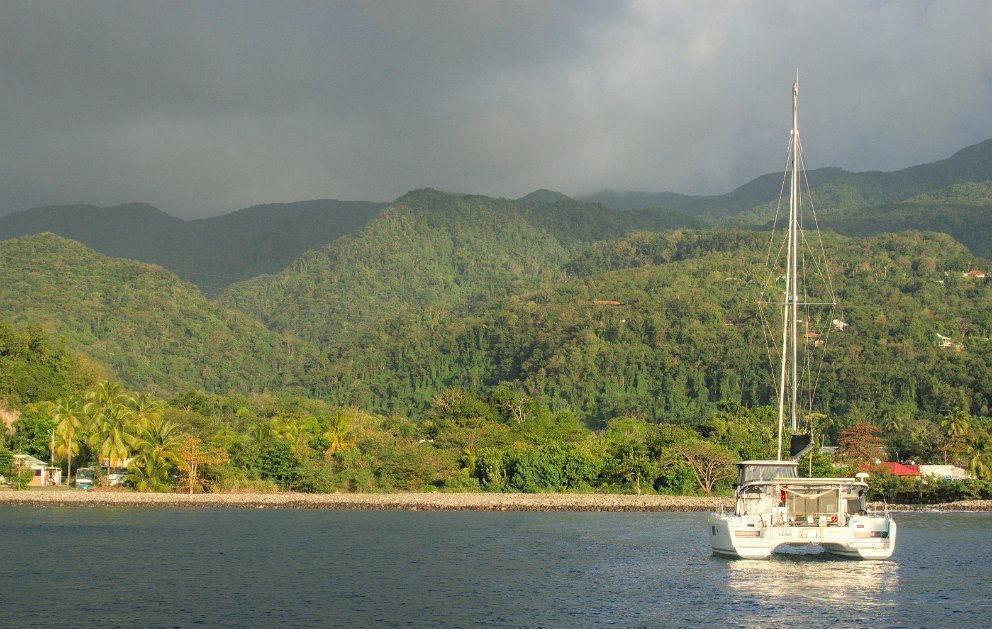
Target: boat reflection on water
(789, 578)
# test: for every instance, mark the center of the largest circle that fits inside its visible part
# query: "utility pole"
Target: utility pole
(53, 451)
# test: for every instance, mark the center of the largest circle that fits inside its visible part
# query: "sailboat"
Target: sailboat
(774, 505)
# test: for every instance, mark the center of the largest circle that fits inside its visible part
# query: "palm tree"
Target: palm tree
(292, 431)
(980, 464)
(68, 414)
(979, 455)
(146, 408)
(113, 435)
(338, 432)
(156, 444)
(893, 424)
(106, 395)
(112, 422)
(957, 424)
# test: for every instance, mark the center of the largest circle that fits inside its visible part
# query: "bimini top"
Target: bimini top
(750, 471)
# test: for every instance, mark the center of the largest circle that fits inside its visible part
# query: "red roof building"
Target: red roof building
(901, 469)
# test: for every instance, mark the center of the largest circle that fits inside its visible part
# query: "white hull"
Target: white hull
(745, 537)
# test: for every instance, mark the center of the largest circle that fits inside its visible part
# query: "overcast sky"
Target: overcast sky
(205, 107)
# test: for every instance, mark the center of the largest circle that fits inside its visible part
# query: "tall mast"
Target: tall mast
(790, 308)
(794, 237)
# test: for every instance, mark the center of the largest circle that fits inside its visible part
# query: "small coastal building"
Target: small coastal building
(44, 475)
(945, 471)
(901, 469)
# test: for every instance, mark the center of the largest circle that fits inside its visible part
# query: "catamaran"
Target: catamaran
(774, 506)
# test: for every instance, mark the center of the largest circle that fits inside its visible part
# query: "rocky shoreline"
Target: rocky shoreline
(409, 502)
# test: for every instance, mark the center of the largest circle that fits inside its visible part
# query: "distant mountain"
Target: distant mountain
(963, 210)
(150, 329)
(545, 196)
(757, 192)
(431, 251)
(211, 252)
(834, 189)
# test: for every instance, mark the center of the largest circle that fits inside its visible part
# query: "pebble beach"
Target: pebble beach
(407, 501)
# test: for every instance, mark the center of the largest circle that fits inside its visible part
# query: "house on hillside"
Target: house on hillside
(974, 274)
(43, 474)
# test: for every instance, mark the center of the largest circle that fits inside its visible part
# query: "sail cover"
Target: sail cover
(800, 445)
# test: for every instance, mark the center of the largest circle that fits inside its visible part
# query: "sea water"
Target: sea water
(153, 567)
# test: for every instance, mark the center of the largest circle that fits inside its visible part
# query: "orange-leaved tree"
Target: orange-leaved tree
(193, 455)
(861, 444)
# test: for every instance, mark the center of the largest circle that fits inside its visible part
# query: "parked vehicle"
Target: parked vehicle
(87, 477)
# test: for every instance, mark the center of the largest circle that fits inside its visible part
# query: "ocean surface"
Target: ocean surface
(154, 567)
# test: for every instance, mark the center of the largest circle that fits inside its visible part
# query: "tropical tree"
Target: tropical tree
(193, 455)
(861, 444)
(957, 426)
(292, 431)
(113, 435)
(957, 423)
(107, 394)
(710, 463)
(68, 416)
(979, 455)
(156, 446)
(111, 422)
(338, 432)
(145, 408)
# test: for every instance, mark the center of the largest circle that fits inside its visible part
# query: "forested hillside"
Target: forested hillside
(665, 326)
(149, 328)
(605, 366)
(963, 210)
(431, 251)
(212, 252)
(34, 366)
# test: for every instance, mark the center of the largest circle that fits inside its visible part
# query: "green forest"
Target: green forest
(464, 343)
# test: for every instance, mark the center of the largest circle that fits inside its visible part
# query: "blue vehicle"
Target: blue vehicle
(84, 478)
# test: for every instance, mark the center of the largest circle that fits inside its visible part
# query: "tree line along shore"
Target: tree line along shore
(499, 440)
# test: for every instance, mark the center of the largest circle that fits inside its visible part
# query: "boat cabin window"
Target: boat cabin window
(812, 501)
(750, 473)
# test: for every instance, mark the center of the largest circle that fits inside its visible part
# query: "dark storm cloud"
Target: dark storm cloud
(203, 107)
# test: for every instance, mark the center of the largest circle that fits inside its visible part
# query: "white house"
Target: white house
(944, 471)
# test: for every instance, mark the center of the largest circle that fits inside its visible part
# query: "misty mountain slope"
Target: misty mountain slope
(136, 230)
(834, 189)
(266, 238)
(963, 211)
(150, 329)
(211, 252)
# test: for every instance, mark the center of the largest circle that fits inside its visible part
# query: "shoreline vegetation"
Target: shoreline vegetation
(433, 501)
